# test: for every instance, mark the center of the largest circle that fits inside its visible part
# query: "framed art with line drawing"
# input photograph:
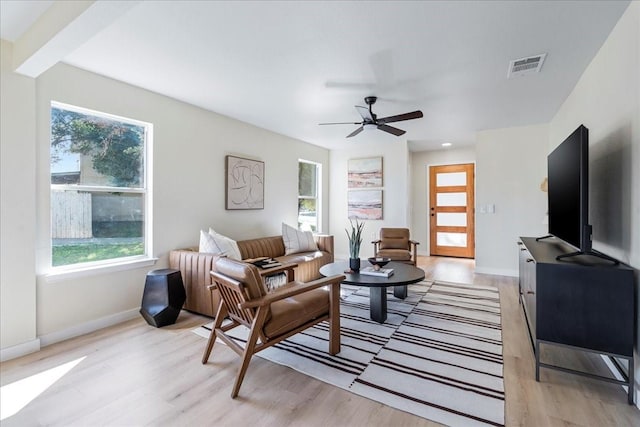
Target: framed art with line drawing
(244, 183)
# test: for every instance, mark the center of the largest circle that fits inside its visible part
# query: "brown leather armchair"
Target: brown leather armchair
(395, 243)
(272, 316)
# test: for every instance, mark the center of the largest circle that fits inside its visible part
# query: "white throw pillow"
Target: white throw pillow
(297, 241)
(214, 243)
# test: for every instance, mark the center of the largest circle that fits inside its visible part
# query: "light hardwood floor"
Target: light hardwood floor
(134, 374)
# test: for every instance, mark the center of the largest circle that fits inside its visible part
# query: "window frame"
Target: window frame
(113, 264)
(318, 197)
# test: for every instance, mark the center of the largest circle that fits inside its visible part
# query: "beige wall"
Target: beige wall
(189, 151)
(395, 198)
(510, 166)
(607, 101)
(17, 207)
(420, 162)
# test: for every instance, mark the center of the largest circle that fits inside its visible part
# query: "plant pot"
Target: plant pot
(354, 264)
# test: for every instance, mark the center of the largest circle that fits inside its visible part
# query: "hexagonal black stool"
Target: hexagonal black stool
(163, 297)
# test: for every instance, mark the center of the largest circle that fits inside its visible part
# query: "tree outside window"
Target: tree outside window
(308, 190)
(98, 186)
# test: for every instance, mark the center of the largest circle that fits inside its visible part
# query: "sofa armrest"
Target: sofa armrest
(325, 243)
(195, 268)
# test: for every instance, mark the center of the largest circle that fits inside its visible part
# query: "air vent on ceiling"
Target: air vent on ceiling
(523, 66)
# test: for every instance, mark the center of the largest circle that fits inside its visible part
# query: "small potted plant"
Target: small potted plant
(355, 240)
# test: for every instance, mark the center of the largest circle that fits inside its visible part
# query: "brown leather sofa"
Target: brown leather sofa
(195, 267)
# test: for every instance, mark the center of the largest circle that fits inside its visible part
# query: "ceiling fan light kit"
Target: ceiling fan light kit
(370, 120)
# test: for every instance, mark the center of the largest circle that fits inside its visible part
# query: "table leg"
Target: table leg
(400, 291)
(378, 303)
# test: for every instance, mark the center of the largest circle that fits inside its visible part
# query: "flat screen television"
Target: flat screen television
(568, 190)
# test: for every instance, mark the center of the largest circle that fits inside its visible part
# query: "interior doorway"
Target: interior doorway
(451, 210)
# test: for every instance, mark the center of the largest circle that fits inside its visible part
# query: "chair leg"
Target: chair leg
(220, 315)
(334, 319)
(249, 349)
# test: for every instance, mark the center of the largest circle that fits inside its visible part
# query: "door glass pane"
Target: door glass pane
(452, 219)
(451, 199)
(452, 239)
(452, 178)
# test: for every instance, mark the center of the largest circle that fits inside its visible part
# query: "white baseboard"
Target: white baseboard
(91, 326)
(497, 271)
(19, 350)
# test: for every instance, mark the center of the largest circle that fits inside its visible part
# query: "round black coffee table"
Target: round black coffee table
(403, 275)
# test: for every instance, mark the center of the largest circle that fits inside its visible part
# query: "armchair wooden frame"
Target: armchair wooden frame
(236, 304)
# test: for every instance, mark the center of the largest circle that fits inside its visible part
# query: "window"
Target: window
(99, 187)
(308, 196)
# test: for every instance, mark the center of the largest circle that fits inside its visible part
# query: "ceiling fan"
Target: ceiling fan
(371, 121)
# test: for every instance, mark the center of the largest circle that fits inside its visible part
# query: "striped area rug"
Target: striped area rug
(438, 355)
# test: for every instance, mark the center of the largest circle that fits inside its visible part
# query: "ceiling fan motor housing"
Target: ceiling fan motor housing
(370, 100)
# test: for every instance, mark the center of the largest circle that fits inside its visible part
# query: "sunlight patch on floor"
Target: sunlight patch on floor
(17, 395)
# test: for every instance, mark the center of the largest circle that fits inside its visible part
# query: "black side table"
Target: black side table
(163, 297)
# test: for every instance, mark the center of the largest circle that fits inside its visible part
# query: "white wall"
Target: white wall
(395, 196)
(420, 162)
(510, 166)
(17, 208)
(607, 101)
(189, 151)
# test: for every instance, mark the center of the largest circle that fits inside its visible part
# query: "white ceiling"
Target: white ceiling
(287, 66)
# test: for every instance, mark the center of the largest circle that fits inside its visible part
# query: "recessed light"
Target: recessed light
(446, 144)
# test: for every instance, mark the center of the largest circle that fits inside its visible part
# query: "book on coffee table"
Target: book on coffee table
(266, 263)
(370, 271)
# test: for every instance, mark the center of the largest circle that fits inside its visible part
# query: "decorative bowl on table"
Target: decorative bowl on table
(378, 262)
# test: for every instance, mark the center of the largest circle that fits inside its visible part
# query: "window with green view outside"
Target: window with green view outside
(98, 186)
(308, 190)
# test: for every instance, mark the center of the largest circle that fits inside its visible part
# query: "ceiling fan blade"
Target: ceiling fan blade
(341, 123)
(365, 113)
(401, 117)
(391, 130)
(355, 132)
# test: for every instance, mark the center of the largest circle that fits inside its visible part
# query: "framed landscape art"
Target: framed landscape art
(365, 173)
(364, 204)
(244, 184)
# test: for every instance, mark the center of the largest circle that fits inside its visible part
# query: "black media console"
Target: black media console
(582, 302)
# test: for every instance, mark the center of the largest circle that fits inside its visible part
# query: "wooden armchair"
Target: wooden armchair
(395, 243)
(271, 317)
